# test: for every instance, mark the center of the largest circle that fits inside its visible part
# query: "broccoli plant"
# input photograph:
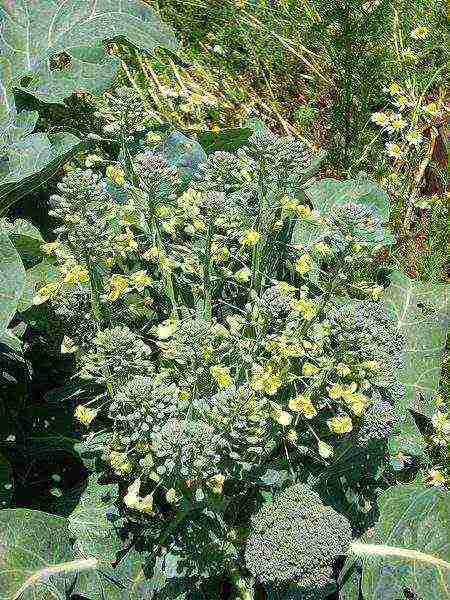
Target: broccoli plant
(227, 322)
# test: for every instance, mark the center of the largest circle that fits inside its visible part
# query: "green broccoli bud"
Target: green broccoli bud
(294, 544)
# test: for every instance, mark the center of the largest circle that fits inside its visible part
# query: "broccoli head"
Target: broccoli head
(294, 544)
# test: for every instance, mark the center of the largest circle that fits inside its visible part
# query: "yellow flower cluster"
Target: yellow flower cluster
(265, 379)
(340, 425)
(221, 375)
(119, 285)
(281, 347)
(357, 402)
(250, 237)
(305, 308)
(134, 501)
(304, 264)
(84, 414)
(302, 404)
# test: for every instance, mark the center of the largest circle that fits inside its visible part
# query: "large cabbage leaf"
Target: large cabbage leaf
(35, 32)
(415, 518)
(12, 282)
(39, 561)
(325, 194)
(26, 158)
(422, 312)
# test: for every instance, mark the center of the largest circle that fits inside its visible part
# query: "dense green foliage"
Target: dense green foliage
(215, 381)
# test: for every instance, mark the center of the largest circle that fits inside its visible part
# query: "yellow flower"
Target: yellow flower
(152, 138)
(215, 129)
(84, 414)
(401, 103)
(336, 391)
(126, 241)
(292, 436)
(220, 253)
(91, 159)
(184, 395)
(302, 210)
(325, 450)
(340, 424)
(357, 403)
(305, 307)
(419, 33)
(304, 264)
(394, 89)
(221, 375)
(372, 365)
(243, 275)
(377, 291)
(414, 138)
(153, 253)
(140, 280)
(322, 248)
(77, 274)
(134, 501)
(120, 464)
(441, 422)
(343, 370)
(348, 390)
(250, 237)
(45, 293)
(118, 285)
(68, 345)
(309, 369)
(289, 204)
(116, 173)
(50, 247)
(409, 55)
(283, 418)
(216, 483)
(380, 118)
(397, 123)
(285, 288)
(303, 405)
(436, 478)
(266, 380)
(432, 109)
(171, 496)
(393, 150)
(165, 329)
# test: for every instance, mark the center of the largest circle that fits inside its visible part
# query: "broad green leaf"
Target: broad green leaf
(6, 482)
(12, 281)
(36, 555)
(34, 32)
(325, 194)
(182, 152)
(91, 448)
(26, 238)
(90, 69)
(32, 161)
(422, 312)
(408, 440)
(88, 522)
(42, 273)
(414, 518)
(228, 140)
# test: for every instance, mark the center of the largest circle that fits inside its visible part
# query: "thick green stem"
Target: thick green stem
(360, 549)
(97, 312)
(243, 589)
(207, 275)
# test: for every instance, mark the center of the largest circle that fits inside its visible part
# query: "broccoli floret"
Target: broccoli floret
(294, 543)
